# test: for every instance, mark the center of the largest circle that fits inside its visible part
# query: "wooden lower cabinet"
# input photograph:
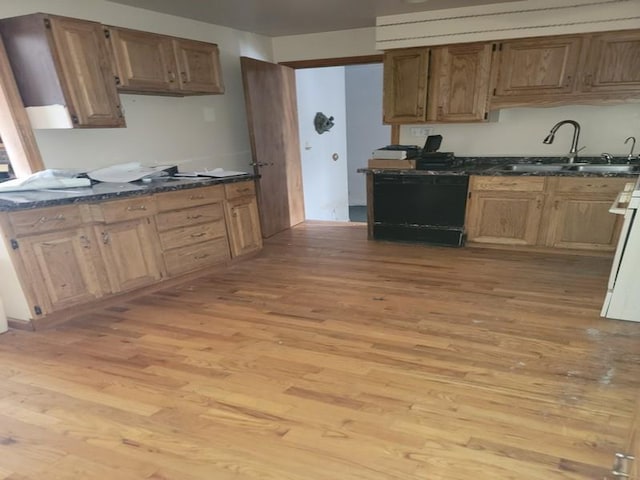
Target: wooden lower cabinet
(244, 225)
(130, 253)
(556, 212)
(510, 218)
(62, 268)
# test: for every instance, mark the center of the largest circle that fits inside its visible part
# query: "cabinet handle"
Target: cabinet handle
(138, 208)
(198, 235)
(172, 76)
(194, 217)
(106, 239)
(183, 75)
(588, 78)
(243, 190)
(200, 257)
(567, 82)
(539, 204)
(85, 241)
(556, 204)
(57, 218)
(196, 197)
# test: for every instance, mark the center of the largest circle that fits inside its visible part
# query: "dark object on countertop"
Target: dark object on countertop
(437, 161)
(432, 144)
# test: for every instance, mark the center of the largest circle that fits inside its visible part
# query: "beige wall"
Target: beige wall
(208, 131)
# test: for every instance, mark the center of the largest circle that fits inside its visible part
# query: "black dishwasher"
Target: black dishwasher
(421, 208)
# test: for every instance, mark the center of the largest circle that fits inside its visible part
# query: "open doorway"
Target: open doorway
(352, 95)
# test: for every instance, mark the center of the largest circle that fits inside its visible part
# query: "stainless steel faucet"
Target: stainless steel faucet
(631, 156)
(573, 153)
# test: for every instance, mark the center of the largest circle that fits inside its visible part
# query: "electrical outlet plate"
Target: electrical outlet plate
(422, 132)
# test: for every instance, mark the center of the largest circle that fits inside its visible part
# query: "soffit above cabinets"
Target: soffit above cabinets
(519, 19)
(276, 18)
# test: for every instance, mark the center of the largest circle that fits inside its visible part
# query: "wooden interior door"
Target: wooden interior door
(272, 114)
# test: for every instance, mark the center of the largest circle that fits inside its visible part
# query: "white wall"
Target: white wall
(520, 131)
(324, 179)
(365, 131)
(160, 129)
(338, 44)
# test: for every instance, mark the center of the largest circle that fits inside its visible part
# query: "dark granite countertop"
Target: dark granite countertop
(107, 191)
(494, 166)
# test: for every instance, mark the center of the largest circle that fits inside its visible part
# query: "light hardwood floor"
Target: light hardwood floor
(331, 357)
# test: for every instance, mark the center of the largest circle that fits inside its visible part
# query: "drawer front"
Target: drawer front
(189, 216)
(240, 189)
(42, 220)
(515, 184)
(190, 198)
(129, 209)
(181, 237)
(610, 185)
(193, 257)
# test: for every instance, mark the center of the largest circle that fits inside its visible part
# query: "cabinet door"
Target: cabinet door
(130, 252)
(86, 72)
(582, 222)
(144, 61)
(459, 88)
(405, 85)
(199, 66)
(613, 63)
(244, 225)
(536, 67)
(510, 218)
(62, 268)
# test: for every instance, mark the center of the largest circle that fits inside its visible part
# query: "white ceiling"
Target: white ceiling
(292, 17)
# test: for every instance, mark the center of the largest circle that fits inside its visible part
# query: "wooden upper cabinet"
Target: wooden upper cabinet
(533, 67)
(405, 85)
(144, 61)
(612, 63)
(198, 66)
(64, 61)
(459, 87)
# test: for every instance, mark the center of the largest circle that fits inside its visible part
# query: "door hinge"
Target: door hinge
(14, 244)
(469, 195)
(37, 309)
(47, 23)
(107, 33)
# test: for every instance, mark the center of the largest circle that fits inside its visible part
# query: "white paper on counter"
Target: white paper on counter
(216, 172)
(45, 180)
(126, 172)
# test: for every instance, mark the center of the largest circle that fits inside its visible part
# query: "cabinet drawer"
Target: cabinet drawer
(516, 184)
(190, 198)
(240, 189)
(189, 216)
(123, 210)
(588, 185)
(46, 219)
(181, 237)
(197, 256)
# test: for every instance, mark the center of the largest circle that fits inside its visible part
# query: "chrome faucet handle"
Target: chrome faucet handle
(606, 156)
(631, 157)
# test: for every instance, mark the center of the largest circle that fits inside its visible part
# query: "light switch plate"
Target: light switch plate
(422, 132)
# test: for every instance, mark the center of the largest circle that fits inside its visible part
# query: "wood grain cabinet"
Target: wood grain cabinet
(405, 85)
(243, 219)
(556, 212)
(128, 242)
(64, 61)
(459, 85)
(151, 63)
(533, 67)
(505, 210)
(577, 214)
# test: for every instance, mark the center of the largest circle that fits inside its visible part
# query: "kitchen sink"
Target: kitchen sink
(606, 168)
(533, 167)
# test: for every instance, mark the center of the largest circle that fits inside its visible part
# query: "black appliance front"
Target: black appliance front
(422, 208)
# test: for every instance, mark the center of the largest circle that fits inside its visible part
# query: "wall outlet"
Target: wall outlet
(423, 132)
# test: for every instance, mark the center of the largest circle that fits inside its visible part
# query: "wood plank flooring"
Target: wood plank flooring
(329, 357)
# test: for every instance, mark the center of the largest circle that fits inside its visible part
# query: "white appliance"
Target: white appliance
(623, 295)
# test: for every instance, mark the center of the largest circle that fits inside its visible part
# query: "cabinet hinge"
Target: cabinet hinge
(493, 47)
(107, 33)
(486, 115)
(74, 119)
(37, 309)
(469, 195)
(500, 47)
(14, 244)
(47, 23)
(495, 91)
